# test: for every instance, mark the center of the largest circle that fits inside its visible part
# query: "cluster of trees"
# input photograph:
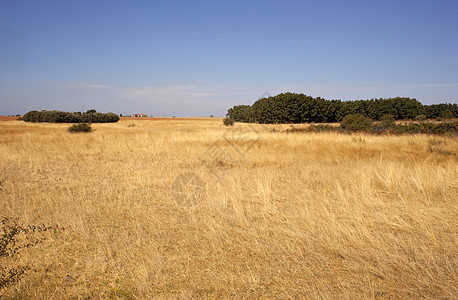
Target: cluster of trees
(443, 110)
(55, 116)
(300, 108)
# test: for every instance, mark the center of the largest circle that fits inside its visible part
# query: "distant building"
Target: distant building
(140, 115)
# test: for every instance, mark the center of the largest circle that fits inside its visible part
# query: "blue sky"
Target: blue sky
(196, 58)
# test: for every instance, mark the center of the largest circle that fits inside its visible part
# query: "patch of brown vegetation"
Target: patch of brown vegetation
(8, 118)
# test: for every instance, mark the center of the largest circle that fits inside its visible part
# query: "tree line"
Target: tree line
(55, 116)
(300, 108)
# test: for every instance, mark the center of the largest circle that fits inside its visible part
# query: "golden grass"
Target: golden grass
(316, 216)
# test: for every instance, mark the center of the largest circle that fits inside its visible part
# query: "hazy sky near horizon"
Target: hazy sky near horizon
(196, 58)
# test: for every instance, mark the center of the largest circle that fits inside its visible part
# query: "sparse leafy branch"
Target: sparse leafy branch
(11, 276)
(10, 246)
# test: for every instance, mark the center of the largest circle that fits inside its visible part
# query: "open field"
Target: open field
(316, 216)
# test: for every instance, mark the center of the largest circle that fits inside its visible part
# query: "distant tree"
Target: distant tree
(300, 108)
(356, 122)
(436, 110)
(67, 117)
(388, 121)
(91, 111)
(420, 118)
(447, 114)
(240, 113)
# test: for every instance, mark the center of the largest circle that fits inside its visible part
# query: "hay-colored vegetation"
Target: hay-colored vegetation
(304, 215)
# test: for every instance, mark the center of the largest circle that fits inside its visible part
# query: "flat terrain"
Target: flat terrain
(188, 208)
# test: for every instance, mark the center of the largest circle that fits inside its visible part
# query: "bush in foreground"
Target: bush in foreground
(83, 127)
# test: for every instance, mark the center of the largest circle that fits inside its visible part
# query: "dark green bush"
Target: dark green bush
(356, 123)
(444, 128)
(240, 113)
(91, 116)
(385, 125)
(228, 122)
(437, 110)
(83, 127)
(387, 121)
(428, 128)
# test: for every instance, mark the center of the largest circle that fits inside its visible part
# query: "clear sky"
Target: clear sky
(196, 58)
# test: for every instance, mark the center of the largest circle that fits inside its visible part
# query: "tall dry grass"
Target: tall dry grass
(314, 216)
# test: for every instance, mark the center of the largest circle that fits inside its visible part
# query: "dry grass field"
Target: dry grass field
(297, 216)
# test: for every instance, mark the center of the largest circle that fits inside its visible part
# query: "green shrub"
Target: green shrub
(447, 114)
(91, 116)
(450, 128)
(356, 123)
(385, 125)
(228, 122)
(83, 127)
(445, 128)
(323, 128)
(241, 113)
(420, 118)
(388, 121)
